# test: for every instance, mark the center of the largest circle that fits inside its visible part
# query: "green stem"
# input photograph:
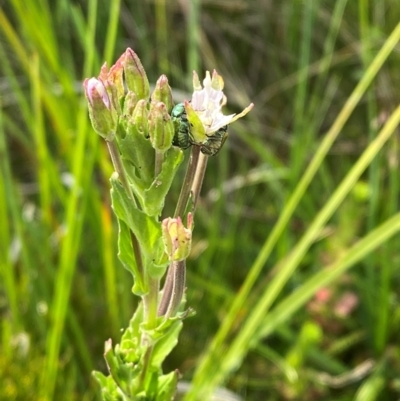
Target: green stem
(119, 168)
(146, 364)
(152, 303)
(188, 182)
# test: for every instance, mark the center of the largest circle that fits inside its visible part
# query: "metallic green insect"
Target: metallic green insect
(214, 142)
(184, 138)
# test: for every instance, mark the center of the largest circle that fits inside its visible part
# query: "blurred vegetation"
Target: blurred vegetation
(307, 326)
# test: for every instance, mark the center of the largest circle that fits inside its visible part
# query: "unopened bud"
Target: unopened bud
(102, 114)
(113, 76)
(130, 103)
(161, 128)
(140, 117)
(135, 75)
(162, 93)
(177, 239)
(112, 81)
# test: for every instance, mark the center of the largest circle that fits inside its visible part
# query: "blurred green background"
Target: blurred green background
(63, 291)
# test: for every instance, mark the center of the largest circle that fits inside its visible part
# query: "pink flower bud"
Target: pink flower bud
(95, 91)
(177, 239)
(135, 75)
(161, 127)
(162, 93)
(102, 114)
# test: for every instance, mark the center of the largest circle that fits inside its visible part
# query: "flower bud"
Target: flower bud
(161, 128)
(135, 75)
(102, 114)
(140, 117)
(113, 76)
(162, 93)
(177, 239)
(130, 103)
(112, 81)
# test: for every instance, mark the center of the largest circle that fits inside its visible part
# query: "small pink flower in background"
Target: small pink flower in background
(346, 304)
(323, 295)
(321, 300)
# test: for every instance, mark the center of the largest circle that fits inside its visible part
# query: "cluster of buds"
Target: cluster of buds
(120, 96)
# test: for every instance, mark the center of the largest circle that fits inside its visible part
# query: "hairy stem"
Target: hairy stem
(178, 288)
(167, 292)
(152, 302)
(198, 179)
(119, 168)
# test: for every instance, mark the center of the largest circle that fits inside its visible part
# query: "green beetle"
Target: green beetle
(214, 142)
(184, 139)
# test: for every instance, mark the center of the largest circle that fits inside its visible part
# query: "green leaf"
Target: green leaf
(152, 384)
(154, 196)
(133, 331)
(157, 267)
(108, 387)
(166, 344)
(146, 229)
(167, 386)
(117, 370)
(126, 256)
(131, 347)
(137, 150)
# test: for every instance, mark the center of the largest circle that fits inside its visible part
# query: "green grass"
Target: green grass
(303, 198)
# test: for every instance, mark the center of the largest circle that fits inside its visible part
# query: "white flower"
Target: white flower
(207, 102)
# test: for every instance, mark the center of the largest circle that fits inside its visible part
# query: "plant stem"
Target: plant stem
(167, 292)
(119, 168)
(188, 181)
(146, 363)
(152, 302)
(198, 179)
(178, 288)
